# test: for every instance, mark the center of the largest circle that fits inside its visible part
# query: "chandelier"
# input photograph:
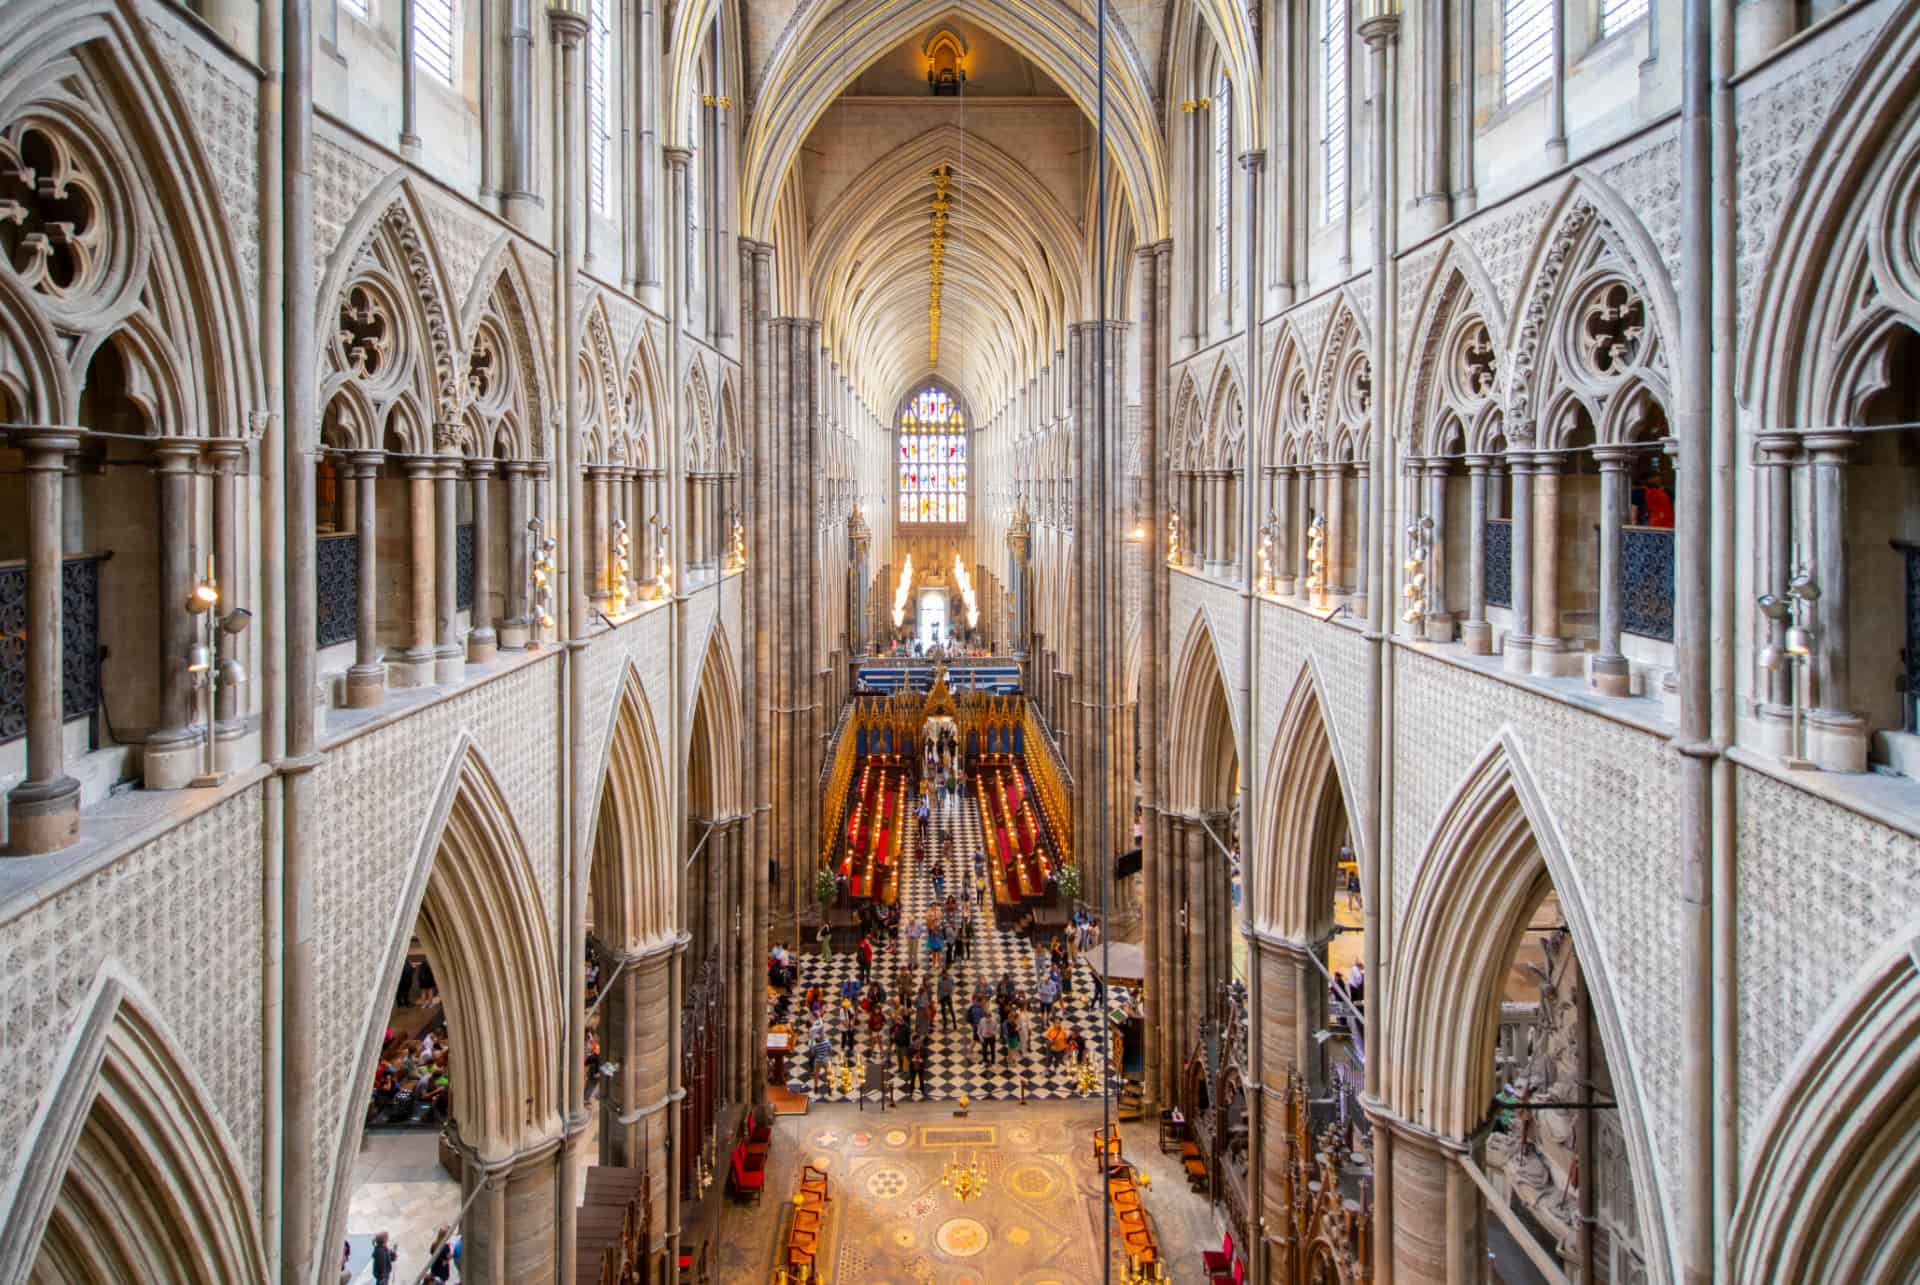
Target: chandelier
(1138, 1273)
(1085, 1079)
(901, 592)
(966, 1182)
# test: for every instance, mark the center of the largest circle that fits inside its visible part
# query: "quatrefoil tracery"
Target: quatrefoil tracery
(366, 335)
(1612, 331)
(52, 232)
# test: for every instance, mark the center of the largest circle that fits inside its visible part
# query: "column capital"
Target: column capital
(569, 26)
(1381, 29)
(364, 465)
(225, 452)
(1780, 444)
(1830, 445)
(1613, 457)
(419, 466)
(480, 468)
(1482, 463)
(1253, 161)
(174, 454)
(677, 158)
(45, 448)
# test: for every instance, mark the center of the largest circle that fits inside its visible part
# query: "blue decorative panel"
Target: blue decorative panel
(79, 640)
(463, 566)
(1646, 556)
(1499, 562)
(336, 566)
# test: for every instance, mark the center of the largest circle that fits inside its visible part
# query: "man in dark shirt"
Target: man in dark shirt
(384, 1255)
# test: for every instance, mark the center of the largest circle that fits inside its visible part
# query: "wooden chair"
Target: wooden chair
(747, 1184)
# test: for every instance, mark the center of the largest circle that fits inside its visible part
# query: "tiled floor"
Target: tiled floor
(1042, 1221)
(955, 1065)
(399, 1188)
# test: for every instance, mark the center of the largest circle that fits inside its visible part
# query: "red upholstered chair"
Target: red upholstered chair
(1221, 1260)
(747, 1183)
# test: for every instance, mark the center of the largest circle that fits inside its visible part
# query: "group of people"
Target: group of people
(945, 934)
(413, 1085)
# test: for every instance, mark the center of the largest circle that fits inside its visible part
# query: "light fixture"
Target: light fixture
(1268, 530)
(1191, 105)
(901, 592)
(621, 590)
(663, 565)
(738, 557)
(204, 665)
(540, 572)
(961, 578)
(1173, 535)
(1416, 590)
(1317, 554)
(965, 1182)
(1794, 652)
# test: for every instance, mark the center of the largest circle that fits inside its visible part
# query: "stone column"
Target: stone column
(367, 677)
(43, 811)
(509, 1233)
(482, 643)
(1363, 537)
(1475, 632)
(1439, 622)
(1551, 655)
(1778, 451)
(1284, 558)
(449, 652)
(1303, 511)
(1433, 1209)
(1608, 669)
(172, 757)
(227, 456)
(417, 667)
(1432, 207)
(513, 630)
(636, 1098)
(599, 567)
(1517, 655)
(1215, 483)
(1336, 544)
(1836, 735)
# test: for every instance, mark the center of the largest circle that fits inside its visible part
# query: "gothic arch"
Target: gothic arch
(503, 298)
(1292, 881)
(475, 901)
(162, 272)
(1827, 245)
(1203, 754)
(1459, 297)
(1289, 400)
(1346, 352)
(128, 1175)
(1491, 860)
(632, 877)
(1833, 1191)
(714, 785)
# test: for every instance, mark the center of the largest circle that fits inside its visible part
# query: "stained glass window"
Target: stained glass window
(1333, 107)
(932, 463)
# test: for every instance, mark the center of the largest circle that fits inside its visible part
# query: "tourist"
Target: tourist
(866, 960)
(946, 999)
(384, 1254)
(429, 989)
(915, 932)
(826, 941)
(1056, 1043)
(409, 978)
(1049, 992)
(986, 1029)
(939, 875)
(1357, 985)
(442, 1267)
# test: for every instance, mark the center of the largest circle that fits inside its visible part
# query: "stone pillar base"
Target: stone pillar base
(1284, 585)
(482, 647)
(1557, 658)
(1439, 627)
(450, 664)
(1517, 655)
(43, 817)
(1478, 636)
(1837, 742)
(172, 764)
(413, 669)
(512, 635)
(366, 688)
(1611, 675)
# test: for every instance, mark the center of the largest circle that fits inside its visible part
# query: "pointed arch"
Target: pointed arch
(716, 736)
(129, 1176)
(475, 902)
(632, 876)
(1306, 794)
(1833, 1191)
(1491, 861)
(1458, 294)
(1204, 754)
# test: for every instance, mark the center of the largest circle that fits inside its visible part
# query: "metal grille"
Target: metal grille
(433, 37)
(1333, 106)
(1617, 15)
(1526, 46)
(463, 566)
(1912, 553)
(1499, 562)
(1646, 556)
(336, 580)
(79, 644)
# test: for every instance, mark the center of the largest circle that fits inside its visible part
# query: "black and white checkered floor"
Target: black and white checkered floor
(954, 1063)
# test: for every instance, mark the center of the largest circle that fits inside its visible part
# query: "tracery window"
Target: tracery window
(1526, 46)
(358, 8)
(1333, 106)
(600, 104)
(433, 38)
(932, 464)
(1617, 15)
(1222, 187)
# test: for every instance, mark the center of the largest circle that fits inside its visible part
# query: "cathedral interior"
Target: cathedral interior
(944, 641)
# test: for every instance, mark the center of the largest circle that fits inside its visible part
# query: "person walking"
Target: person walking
(915, 931)
(385, 1253)
(986, 1029)
(946, 999)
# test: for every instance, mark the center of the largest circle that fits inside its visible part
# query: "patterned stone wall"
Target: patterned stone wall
(1613, 804)
(1290, 638)
(1191, 595)
(376, 793)
(183, 913)
(1820, 888)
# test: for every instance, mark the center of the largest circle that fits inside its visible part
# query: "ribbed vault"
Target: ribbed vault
(1010, 283)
